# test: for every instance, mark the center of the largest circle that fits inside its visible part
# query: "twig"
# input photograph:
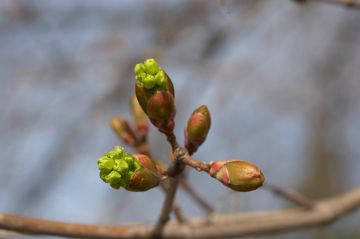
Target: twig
(142, 146)
(174, 171)
(198, 165)
(172, 141)
(191, 192)
(224, 226)
(290, 195)
(167, 206)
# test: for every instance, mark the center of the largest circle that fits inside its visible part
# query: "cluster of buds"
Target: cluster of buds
(155, 100)
(238, 175)
(197, 128)
(155, 93)
(135, 173)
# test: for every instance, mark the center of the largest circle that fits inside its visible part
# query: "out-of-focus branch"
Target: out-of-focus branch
(348, 3)
(290, 195)
(222, 226)
(9, 234)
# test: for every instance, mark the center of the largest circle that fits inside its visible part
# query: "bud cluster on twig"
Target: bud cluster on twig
(155, 101)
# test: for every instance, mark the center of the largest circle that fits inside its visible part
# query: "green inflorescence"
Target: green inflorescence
(150, 75)
(116, 167)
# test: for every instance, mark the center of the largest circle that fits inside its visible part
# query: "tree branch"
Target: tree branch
(222, 226)
(167, 206)
(176, 169)
(348, 3)
(290, 195)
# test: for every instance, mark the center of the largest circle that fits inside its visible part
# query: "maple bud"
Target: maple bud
(139, 116)
(155, 93)
(123, 129)
(135, 173)
(238, 175)
(197, 128)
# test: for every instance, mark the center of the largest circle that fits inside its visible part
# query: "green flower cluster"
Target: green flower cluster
(150, 75)
(117, 167)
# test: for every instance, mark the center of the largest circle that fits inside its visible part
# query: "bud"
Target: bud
(197, 128)
(139, 116)
(238, 175)
(152, 77)
(155, 93)
(123, 130)
(133, 172)
(161, 111)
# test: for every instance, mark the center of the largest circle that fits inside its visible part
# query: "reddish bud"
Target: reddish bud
(146, 177)
(139, 116)
(238, 175)
(197, 128)
(161, 110)
(123, 130)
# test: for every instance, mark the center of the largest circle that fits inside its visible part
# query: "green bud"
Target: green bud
(151, 66)
(133, 172)
(139, 116)
(197, 128)
(150, 75)
(105, 164)
(149, 81)
(123, 130)
(139, 69)
(114, 179)
(238, 175)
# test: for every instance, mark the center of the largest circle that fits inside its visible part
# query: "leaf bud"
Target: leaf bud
(123, 130)
(197, 128)
(238, 175)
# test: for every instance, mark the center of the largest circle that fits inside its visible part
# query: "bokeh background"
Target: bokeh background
(282, 81)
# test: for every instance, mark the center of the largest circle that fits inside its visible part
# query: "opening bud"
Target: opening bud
(133, 172)
(197, 128)
(139, 116)
(238, 175)
(123, 130)
(150, 78)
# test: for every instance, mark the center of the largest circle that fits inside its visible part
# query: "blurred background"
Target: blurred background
(281, 81)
